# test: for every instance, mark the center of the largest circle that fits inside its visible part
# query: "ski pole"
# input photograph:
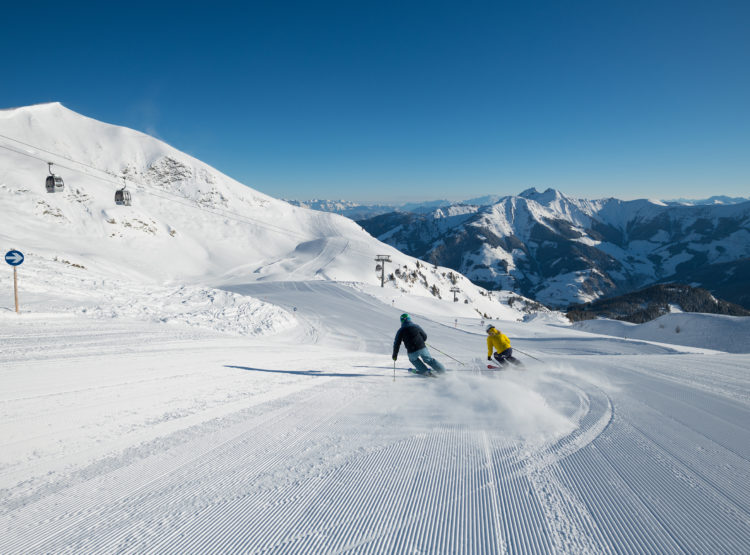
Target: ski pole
(446, 354)
(527, 354)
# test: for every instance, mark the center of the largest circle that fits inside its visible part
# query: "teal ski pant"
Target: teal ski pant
(422, 356)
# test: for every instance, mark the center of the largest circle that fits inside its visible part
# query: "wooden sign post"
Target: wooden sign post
(15, 287)
(14, 258)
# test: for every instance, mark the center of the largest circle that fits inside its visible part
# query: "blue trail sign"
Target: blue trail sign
(14, 258)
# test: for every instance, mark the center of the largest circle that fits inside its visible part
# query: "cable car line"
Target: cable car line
(228, 214)
(241, 218)
(47, 151)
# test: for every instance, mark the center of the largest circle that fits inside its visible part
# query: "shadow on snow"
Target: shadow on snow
(301, 372)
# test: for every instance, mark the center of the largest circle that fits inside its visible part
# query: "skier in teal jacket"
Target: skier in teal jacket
(414, 338)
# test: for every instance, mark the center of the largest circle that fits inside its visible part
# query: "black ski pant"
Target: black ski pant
(506, 356)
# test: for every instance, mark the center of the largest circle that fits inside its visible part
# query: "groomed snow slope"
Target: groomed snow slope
(131, 437)
(712, 331)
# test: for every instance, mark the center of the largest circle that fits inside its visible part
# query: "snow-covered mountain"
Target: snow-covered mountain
(188, 224)
(716, 199)
(359, 211)
(348, 208)
(560, 250)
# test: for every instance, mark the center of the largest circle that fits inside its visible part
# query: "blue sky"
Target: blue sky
(400, 101)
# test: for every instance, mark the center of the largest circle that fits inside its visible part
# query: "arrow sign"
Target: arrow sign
(14, 258)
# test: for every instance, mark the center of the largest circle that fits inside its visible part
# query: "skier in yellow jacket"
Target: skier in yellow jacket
(498, 341)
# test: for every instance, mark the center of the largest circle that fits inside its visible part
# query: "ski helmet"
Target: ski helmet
(405, 317)
(490, 328)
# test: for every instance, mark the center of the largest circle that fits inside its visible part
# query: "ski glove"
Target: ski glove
(394, 358)
(489, 358)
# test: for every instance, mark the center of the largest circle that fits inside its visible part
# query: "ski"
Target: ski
(423, 374)
(505, 366)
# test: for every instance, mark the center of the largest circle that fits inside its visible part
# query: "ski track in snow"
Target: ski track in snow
(304, 442)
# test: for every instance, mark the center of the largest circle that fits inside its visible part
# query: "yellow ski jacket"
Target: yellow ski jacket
(499, 341)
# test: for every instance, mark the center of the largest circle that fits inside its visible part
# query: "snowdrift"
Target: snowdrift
(708, 331)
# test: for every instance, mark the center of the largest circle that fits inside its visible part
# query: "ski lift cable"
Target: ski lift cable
(146, 187)
(165, 195)
(106, 173)
(108, 178)
(50, 152)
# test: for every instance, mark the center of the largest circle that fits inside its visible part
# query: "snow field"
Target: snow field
(175, 439)
(708, 331)
(326, 487)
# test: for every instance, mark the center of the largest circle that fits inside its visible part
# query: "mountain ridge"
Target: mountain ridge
(560, 251)
(357, 210)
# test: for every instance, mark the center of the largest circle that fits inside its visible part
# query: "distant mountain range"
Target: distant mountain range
(360, 211)
(560, 250)
(352, 210)
(718, 199)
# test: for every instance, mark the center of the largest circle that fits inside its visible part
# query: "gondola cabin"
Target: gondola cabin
(54, 184)
(122, 197)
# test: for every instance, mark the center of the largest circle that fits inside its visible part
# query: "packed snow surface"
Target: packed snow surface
(146, 435)
(181, 380)
(712, 331)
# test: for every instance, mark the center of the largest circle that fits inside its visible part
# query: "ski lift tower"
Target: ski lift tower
(455, 290)
(381, 259)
